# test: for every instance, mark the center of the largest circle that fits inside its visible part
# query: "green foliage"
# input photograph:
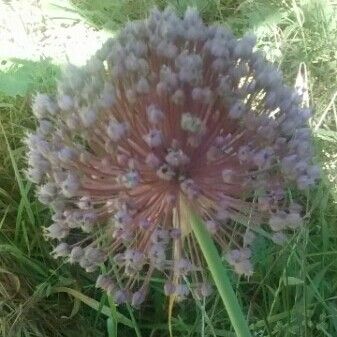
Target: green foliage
(293, 289)
(18, 77)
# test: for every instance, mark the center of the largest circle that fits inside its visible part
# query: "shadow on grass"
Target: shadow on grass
(237, 14)
(111, 15)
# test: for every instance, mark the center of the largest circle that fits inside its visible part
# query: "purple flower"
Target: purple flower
(169, 118)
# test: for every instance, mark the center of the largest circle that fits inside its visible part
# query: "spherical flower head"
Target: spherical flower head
(168, 119)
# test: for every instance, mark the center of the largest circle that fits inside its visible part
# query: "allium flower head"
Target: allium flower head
(171, 117)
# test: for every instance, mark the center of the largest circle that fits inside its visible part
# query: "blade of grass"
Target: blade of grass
(220, 277)
(4, 217)
(93, 304)
(19, 179)
(112, 327)
(12, 249)
(112, 322)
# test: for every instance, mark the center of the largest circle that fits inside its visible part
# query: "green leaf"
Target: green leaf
(93, 304)
(292, 281)
(111, 327)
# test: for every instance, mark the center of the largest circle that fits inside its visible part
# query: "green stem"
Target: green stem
(220, 277)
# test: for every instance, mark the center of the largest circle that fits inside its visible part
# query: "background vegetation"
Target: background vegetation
(293, 291)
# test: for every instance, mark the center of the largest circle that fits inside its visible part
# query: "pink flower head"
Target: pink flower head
(171, 117)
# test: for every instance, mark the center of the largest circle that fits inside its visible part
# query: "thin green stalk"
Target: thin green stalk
(112, 322)
(220, 277)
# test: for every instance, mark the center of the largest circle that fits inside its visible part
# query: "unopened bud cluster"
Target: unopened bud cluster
(169, 118)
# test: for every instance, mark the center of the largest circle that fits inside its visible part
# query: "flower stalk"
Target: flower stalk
(220, 278)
